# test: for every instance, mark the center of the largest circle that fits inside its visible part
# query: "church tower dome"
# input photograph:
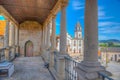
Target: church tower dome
(78, 31)
(78, 27)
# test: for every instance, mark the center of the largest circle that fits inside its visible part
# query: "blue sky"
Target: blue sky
(2, 17)
(108, 18)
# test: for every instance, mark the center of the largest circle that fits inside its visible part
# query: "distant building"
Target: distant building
(74, 45)
(110, 54)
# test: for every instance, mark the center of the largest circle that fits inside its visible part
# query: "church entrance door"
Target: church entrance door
(28, 49)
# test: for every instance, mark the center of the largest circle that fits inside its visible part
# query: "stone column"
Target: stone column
(53, 33)
(42, 44)
(12, 35)
(47, 42)
(44, 38)
(89, 67)
(48, 36)
(6, 35)
(63, 30)
(53, 41)
(6, 40)
(91, 31)
(12, 41)
(61, 59)
(16, 40)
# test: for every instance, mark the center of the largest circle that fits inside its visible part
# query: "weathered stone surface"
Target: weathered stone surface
(30, 68)
(30, 31)
(1, 41)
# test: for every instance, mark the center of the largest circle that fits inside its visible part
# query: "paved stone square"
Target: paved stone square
(30, 68)
(114, 68)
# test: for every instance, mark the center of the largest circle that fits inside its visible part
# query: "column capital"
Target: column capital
(64, 3)
(53, 16)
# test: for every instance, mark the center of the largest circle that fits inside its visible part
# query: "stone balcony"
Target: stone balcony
(30, 68)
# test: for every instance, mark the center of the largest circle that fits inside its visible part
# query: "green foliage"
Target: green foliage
(103, 45)
(109, 44)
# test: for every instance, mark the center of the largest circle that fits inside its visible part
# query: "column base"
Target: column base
(17, 54)
(61, 66)
(45, 55)
(89, 70)
(7, 54)
(52, 59)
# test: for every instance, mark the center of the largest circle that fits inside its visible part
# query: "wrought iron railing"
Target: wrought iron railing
(70, 73)
(104, 76)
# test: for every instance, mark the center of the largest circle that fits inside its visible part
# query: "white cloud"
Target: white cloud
(108, 24)
(102, 14)
(103, 37)
(77, 5)
(102, 17)
(111, 30)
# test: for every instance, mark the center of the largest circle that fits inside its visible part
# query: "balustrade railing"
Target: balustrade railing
(70, 73)
(11, 53)
(55, 60)
(2, 55)
(104, 76)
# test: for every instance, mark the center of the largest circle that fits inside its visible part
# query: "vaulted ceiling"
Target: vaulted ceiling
(34, 10)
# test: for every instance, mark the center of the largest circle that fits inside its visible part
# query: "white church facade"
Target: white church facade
(74, 44)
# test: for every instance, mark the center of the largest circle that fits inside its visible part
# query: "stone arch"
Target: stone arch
(28, 49)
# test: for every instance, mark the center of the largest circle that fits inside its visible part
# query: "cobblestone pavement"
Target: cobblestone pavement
(114, 68)
(30, 68)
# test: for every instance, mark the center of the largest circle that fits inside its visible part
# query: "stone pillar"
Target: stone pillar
(6, 35)
(53, 41)
(63, 30)
(88, 68)
(61, 59)
(12, 35)
(42, 39)
(91, 31)
(17, 40)
(53, 33)
(6, 40)
(12, 41)
(48, 43)
(48, 36)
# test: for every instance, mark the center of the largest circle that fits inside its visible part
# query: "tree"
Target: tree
(110, 44)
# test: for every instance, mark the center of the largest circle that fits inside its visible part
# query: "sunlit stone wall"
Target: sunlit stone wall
(32, 31)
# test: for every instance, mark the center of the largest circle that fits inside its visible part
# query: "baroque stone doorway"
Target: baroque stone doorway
(28, 49)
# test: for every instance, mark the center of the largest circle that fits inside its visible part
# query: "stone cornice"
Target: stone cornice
(55, 10)
(4, 12)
